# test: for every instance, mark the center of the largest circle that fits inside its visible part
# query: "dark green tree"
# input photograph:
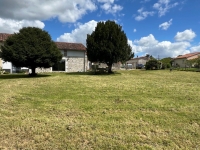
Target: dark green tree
(108, 44)
(152, 64)
(32, 47)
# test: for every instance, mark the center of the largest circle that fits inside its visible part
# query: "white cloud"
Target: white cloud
(143, 14)
(134, 30)
(163, 6)
(106, 1)
(144, 1)
(79, 34)
(153, 47)
(196, 48)
(148, 44)
(110, 7)
(64, 10)
(11, 26)
(147, 41)
(135, 49)
(165, 25)
(187, 35)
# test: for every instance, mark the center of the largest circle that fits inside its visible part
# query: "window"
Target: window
(65, 53)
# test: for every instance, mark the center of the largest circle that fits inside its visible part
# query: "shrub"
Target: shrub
(152, 64)
(2, 71)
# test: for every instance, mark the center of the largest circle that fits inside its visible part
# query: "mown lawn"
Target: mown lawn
(126, 110)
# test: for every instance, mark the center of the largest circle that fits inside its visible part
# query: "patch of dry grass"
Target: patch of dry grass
(128, 110)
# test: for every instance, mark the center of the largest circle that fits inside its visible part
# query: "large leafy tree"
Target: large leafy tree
(108, 44)
(31, 47)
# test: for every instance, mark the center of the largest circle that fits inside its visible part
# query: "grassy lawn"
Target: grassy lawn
(127, 110)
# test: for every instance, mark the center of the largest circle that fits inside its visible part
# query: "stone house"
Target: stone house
(181, 60)
(134, 62)
(74, 58)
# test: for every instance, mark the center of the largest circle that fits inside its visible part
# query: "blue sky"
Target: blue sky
(164, 28)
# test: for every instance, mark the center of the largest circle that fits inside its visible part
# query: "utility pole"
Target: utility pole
(158, 63)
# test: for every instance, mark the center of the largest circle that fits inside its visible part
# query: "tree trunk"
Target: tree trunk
(33, 71)
(110, 68)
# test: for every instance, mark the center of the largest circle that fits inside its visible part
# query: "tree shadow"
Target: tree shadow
(18, 76)
(94, 73)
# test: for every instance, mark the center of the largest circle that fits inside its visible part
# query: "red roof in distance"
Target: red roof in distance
(4, 36)
(187, 55)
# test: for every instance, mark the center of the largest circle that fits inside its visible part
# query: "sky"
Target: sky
(161, 28)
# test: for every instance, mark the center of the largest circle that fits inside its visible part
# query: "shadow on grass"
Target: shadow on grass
(18, 76)
(93, 73)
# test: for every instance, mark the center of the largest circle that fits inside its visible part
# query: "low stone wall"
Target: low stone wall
(43, 70)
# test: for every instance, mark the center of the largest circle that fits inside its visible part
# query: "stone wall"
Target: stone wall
(75, 64)
(115, 66)
(43, 70)
(1, 64)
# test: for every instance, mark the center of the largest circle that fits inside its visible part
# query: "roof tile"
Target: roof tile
(4, 36)
(70, 46)
(187, 55)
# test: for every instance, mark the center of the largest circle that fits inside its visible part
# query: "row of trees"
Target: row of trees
(167, 63)
(158, 64)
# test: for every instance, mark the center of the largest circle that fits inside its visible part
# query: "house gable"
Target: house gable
(181, 60)
(188, 56)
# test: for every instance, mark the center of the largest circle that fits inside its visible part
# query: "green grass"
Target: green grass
(126, 110)
(188, 69)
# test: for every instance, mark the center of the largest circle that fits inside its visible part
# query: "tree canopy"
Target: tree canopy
(194, 62)
(32, 47)
(166, 62)
(108, 44)
(152, 64)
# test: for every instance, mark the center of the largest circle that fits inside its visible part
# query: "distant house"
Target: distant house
(74, 58)
(181, 60)
(138, 61)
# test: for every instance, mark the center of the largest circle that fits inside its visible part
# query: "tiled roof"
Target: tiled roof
(187, 55)
(70, 46)
(60, 45)
(4, 36)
